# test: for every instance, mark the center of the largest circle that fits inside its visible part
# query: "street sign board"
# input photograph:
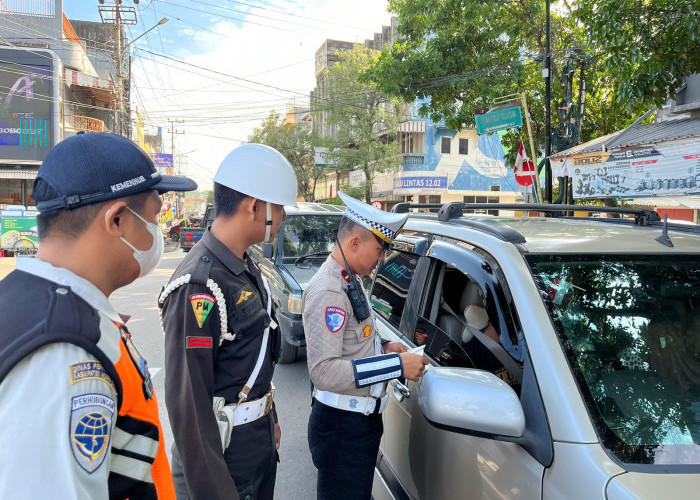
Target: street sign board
(498, 120)
(526, 176)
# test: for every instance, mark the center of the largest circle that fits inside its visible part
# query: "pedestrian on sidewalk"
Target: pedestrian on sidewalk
(78, 415)
(221, 338)
(349, 363)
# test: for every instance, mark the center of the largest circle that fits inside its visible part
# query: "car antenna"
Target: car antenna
(664, 239)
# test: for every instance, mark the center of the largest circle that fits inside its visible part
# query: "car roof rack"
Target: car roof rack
(451, 210)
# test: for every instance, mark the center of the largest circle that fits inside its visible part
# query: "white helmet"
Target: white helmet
(261, 172)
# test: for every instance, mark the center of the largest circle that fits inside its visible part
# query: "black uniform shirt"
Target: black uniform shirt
(197, 368)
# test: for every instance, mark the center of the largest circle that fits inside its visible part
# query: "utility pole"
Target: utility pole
(118, 15)
(120, 84)
(179, 197)
(548, 116)
(173, 123)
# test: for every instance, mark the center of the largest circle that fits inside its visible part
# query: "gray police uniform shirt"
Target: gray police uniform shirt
(333, 336)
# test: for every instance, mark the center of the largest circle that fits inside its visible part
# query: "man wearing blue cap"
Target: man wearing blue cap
(78, 415)
(349, 364)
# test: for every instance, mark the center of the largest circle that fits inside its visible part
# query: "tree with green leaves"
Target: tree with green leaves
(366, 120)
(208, 196)
(297, 145)
(457, 56)
(646, 47)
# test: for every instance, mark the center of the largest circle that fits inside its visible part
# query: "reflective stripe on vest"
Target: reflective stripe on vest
(139, 467)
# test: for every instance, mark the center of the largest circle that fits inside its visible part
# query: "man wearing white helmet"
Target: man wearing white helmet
(221, 339)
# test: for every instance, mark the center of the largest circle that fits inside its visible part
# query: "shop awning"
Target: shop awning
(101, 89)
(11, 173)
(412, 127)
(74, 77)
(668, 202)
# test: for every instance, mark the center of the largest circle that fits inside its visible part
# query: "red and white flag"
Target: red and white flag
(524, 167)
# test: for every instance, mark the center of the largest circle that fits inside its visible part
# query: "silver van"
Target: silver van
(582, 380)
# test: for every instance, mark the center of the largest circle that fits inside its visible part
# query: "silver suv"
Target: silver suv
(564, 353)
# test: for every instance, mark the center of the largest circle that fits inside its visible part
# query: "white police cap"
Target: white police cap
(383, 224)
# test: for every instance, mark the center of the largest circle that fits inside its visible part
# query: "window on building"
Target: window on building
(464, 146)
(481, 199)
(412, 142)
(433, 198)
(10, 191)
(445, 146)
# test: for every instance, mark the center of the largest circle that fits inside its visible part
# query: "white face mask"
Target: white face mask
(148, 259)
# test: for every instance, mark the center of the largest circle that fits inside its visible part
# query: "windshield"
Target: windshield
(631, 329)
(309, 234)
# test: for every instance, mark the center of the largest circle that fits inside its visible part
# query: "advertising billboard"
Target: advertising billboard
(28, 117)
(660, 170)
(163, 162)
(18, 229)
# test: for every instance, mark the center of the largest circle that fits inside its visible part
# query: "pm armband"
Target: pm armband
(375, 369)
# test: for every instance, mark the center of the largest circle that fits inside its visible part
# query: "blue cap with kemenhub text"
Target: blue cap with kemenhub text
(96, 167)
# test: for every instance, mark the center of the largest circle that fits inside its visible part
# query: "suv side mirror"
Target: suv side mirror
(471, 401)
(267, 250)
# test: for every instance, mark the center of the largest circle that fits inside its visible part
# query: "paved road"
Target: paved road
(296, 476)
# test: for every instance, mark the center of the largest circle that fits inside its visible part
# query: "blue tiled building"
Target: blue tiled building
(440, 165)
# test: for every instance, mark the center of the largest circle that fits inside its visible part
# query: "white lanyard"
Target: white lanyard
(243, 395)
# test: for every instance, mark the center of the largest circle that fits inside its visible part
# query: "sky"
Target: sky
(219, 67)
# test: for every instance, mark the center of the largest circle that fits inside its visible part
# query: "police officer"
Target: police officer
(78, 416)
(348, 363)
(221, 340)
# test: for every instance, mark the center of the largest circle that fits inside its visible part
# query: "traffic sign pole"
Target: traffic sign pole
(532, 147)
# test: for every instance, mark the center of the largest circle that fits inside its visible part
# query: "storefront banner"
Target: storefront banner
(417, 183)
(637, 172)
(357, 178)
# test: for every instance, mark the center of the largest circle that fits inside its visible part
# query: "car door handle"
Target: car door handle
(400, 391)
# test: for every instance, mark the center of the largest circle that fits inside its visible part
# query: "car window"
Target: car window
(308, 234)
(631, 329)
(391, 286)
(442, 323)
(436, 329)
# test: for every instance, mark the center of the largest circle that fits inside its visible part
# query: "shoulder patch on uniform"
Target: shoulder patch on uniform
(367, 330)
(89, 369)
(201, 305)
(335, 318)
(90, 429)
(244, 296)
(199, 342)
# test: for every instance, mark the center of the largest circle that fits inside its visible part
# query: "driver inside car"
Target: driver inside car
(477, 318)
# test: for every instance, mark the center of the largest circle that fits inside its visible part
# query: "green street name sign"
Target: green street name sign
(498, 120)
